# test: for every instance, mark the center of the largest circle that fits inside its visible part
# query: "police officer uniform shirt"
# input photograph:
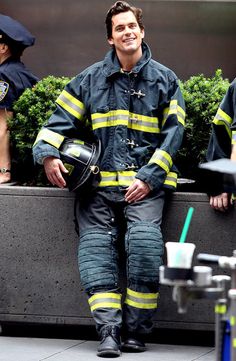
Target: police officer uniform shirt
(14, 76)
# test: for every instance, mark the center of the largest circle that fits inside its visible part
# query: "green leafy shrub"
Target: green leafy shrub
(31, 111)
(202, 98)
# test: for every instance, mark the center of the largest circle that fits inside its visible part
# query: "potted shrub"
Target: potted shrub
(31, 111)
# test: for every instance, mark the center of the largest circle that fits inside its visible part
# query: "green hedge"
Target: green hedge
(31, 111)
(202, 96)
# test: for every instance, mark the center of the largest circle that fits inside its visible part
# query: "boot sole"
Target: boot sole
(132, 348)
(109, 353)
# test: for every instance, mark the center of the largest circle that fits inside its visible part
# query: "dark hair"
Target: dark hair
(16, 48)
(122, 7)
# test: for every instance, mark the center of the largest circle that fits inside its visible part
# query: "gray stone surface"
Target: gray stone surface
(39, 277)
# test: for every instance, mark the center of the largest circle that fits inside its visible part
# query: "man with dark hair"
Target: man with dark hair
(136, 111)
(14, 79)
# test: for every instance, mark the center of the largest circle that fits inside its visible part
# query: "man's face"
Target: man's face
(126, 33)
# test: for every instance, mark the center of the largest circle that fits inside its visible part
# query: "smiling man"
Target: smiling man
(135, 111)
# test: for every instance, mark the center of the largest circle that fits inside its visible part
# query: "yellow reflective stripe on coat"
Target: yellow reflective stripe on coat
(144, 123)
(220, 309)
(123, 117)
(141, 300)
(163, 159)
(224, 119)
(50, 137)
(71, 104)
(119, 178)
(171, 179)
(233, 141)
(105, 300)
(175, 109)
(232, 321)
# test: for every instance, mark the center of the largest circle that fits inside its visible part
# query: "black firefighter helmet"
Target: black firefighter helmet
(80, 159)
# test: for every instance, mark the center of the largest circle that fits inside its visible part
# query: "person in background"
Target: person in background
(136, 111)
(222, 143)
(14, 79)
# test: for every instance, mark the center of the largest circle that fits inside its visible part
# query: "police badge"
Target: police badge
(4, 86)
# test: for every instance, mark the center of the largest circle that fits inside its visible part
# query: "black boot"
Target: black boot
(133, 343)
(110, 342)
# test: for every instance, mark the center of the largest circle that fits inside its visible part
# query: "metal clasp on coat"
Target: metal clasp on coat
(139, 93)
(130, 166)
(131, 143)
(94, 169)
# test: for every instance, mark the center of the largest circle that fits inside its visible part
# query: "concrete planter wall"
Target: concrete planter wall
(39, 279)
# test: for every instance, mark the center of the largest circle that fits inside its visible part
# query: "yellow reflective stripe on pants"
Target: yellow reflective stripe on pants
(50, 137)
(141, 300)
(120, 178)
(71, 104)
(105, 300)
(123, 117)
(163, 159)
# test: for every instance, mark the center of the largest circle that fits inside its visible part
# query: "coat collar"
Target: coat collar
(111, 63)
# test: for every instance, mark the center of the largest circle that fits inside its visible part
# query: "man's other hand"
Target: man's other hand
(221, 202)
(137, 191)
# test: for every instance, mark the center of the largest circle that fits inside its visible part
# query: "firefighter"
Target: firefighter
(14, 79)
(134, 107)
(223, 140)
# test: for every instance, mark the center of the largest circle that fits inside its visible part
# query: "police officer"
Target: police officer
(135, 108)
(14, 79)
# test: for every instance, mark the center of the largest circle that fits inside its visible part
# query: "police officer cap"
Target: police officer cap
(15, 31)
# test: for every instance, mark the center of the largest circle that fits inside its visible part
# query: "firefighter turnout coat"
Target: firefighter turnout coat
(137, 116)
(223, 134)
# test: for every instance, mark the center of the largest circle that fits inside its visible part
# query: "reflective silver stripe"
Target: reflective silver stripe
(105, 300)
(119, 178)
(108, 120)
(175, 109)
(71, 104)
(171, 179)
(163, 159)
(123, 117)
(181, 115)
(144, 125)
(50, 137)
(233, 137)
(221, 118)
(141, 300)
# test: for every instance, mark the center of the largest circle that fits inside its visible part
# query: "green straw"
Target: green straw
(186, 225)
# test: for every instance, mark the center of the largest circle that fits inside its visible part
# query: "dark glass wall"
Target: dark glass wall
(190, 37)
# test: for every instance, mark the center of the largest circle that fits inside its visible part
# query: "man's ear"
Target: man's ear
(110, 41)
(3, 48)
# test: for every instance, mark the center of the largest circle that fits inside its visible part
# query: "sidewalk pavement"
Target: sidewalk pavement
(40, 349)
(19, 342)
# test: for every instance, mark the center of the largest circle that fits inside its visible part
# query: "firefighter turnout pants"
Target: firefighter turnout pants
(100, 220)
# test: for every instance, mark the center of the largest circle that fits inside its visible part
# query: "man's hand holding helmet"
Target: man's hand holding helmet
(54, 169)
